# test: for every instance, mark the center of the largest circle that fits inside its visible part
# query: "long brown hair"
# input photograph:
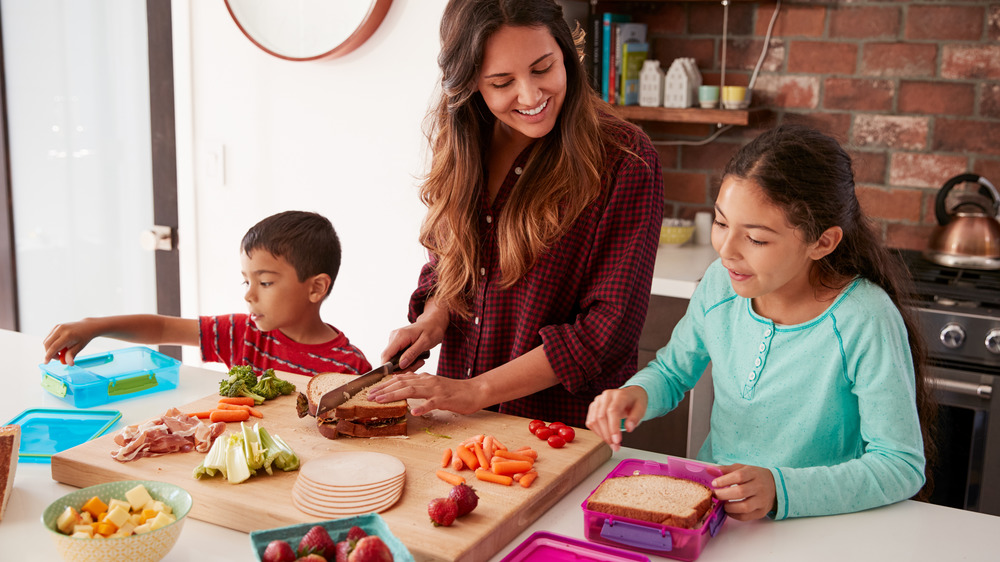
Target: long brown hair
(810, 176)
(563, 174)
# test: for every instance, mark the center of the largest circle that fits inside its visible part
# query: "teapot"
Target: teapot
(968, 234)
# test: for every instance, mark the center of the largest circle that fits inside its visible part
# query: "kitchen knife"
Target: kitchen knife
(342, 393)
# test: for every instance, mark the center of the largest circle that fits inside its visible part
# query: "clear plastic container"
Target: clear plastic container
(107, 377)
(643, 536)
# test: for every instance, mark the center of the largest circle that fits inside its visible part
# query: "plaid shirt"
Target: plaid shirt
(584, 300)
(234, 339)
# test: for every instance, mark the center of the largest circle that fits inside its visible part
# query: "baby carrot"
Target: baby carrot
(527, 451)
(244, 400)
(229, 415)
(457, 464)
(487, 476)
(528, 478)
(498, 446)
(511, 467)
(450, 478)
(467, 456)
(488, 447)
(446, 458)
(511, 456)
(483, 462)
(201, 415)
(253, 411)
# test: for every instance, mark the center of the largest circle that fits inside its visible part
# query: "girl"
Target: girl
(542, 224)
(816, 367)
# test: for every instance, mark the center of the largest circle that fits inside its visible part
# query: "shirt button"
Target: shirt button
(489, 218)
(482, 270)
(753, 376)
(518, 170)
(767, 332)
(756, 363)
(476, 320)
(762, 346)
(468, 373)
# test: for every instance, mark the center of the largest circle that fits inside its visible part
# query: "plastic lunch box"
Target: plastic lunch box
(643, 536)
(106, 377)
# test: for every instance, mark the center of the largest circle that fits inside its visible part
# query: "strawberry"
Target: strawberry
(313, 557)
(278, 551)
(465, 498)
(317, 541)
(356, 533)
(370, 549)
(344, 550)
(442, 511)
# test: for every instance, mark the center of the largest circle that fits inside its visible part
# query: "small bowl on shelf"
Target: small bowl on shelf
(676, 232)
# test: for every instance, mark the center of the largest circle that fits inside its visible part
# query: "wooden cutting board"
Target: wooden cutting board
(264, 501)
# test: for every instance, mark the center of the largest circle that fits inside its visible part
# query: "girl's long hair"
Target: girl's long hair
(563, 174)
(810, 176)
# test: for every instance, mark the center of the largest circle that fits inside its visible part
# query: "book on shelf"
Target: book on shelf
(633, 55)
(624, 32)
(608, 19)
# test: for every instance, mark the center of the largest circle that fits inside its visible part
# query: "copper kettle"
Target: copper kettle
(968, 234)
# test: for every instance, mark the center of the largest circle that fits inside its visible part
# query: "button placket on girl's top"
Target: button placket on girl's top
(753, 377)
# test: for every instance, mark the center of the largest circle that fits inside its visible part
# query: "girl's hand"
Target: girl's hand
(65, 341)
(606, 412)
(439, 393)
(423, 335)
(748, 491)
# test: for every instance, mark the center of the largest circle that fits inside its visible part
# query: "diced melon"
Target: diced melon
(68, 519)
(117, 516)
(95, 506)
(138, 497)
(161, 520)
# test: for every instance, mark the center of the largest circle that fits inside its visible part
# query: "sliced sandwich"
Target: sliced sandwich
(665, 500)
(357, 416)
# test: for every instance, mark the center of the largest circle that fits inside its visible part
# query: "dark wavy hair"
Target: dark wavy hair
(810, 176)
(305, 240)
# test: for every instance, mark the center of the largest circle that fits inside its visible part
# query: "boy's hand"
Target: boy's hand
(748, 491)
(66, 340)
(606, 412)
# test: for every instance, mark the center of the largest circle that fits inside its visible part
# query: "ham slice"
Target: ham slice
(173, 432)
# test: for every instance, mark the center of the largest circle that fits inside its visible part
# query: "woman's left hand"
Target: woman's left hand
(748, 491)
(440, 393)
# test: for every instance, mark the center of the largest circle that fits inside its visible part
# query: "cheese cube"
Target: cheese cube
(115, 501)
(85, 529)
(157, 505)
(136, 519)
(95, 506)
(138, 497)
(147, 515)
(142, 529)
(86, 518)
(117, 516)
(105, 528)
(161, 520)
(82, 535)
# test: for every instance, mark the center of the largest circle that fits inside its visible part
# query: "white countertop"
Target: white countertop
(904, 531)
(679, 268)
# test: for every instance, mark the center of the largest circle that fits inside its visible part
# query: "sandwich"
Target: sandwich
(660, 499)
(357, 416)
(10, 437)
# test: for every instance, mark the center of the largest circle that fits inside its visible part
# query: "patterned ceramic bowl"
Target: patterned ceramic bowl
(148, 547)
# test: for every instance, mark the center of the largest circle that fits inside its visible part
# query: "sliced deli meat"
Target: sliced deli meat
(173, 432)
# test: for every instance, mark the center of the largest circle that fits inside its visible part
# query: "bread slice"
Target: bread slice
(359, 406)
(10, 442)
(660, 499)
(321, 384)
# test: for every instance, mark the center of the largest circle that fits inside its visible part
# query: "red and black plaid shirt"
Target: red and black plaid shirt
(584, 301)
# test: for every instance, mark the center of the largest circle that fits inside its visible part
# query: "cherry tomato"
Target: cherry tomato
(567, 433)
(556, 442)
(544, 433)
(556, 425)
(62, 356)
(534, 425)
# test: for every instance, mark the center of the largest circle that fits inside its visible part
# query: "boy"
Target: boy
(289, 262)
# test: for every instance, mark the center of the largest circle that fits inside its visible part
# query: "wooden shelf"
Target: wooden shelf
(687, 115)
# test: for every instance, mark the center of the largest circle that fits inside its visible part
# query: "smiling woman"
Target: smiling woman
(309, 29)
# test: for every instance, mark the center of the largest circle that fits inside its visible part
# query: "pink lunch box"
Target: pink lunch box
(653, 538)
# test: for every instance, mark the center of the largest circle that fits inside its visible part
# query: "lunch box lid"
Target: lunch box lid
(46, 431)
(543, 546)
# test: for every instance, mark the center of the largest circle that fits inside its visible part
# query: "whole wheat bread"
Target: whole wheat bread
(358, 416)
(323, 383)
(660, 499)
(10, 439)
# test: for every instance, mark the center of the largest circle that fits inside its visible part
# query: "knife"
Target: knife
(342, 393)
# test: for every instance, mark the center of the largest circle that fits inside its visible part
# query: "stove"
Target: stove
(958, 311)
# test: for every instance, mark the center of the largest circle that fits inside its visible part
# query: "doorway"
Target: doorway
(88, 161)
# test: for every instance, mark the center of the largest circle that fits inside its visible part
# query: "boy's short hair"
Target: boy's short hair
(305, 240)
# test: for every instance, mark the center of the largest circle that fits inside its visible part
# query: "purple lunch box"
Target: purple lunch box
(543, 546)
(643, 536)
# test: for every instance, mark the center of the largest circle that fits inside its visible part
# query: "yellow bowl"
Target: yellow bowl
(147, 547)
(675, 235)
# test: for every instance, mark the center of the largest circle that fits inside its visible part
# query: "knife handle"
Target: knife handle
(394, 361)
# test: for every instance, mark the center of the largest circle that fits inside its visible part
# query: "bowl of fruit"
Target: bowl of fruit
(134, 520)
(362, 538)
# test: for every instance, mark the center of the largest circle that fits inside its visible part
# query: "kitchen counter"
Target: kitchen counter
(904, 531)
(679, 268)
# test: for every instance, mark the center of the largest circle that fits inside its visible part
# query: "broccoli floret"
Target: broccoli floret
(240, 382)
(270, 386)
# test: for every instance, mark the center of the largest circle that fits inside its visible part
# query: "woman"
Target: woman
(542, 224)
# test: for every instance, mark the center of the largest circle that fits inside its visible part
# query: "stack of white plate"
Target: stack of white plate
(348, 483)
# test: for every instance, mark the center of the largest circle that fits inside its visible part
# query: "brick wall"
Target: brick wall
(911, 88)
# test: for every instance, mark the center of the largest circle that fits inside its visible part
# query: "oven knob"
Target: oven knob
(993, 341)
(952, 336)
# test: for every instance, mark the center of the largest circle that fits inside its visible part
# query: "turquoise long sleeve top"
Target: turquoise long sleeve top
(828, 405)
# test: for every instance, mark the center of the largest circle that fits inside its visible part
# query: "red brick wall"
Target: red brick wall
(911, 88)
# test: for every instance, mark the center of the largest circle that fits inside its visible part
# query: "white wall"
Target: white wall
(342, 137)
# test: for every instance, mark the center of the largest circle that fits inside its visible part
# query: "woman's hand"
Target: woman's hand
(65, 341)
(439, 393)
(748, 491)
(423, 335)
(606, 412)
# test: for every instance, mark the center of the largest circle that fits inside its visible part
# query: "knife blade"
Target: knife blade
(342, 393)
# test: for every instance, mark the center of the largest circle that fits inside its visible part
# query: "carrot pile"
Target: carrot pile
(236, 409)
(490, 461)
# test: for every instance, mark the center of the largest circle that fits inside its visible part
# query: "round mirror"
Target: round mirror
(308, 29)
